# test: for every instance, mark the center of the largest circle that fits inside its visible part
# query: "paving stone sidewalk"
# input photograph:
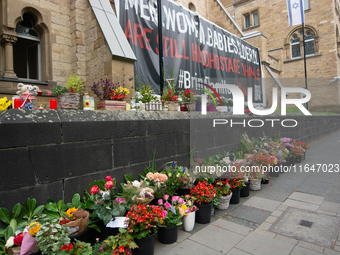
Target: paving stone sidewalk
(298, 213)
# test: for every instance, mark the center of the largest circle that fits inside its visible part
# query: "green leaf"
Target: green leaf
(52, 207)
(31, 203)
(52, 215)
(16, 210)
(38, 210)
(60, 205)
(4, 215)
(13, 224)
(133, 245)
(76, 200)
(8, 232)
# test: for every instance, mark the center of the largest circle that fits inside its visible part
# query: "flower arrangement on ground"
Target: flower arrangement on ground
(236, 183)
(157, 181)
(121, 243)
(101, 198)
(222, 188)
(302, 144)
(189, 205)
(76, 248)
(178, 177)
(172, 211)
(203, 193)
(142, 220)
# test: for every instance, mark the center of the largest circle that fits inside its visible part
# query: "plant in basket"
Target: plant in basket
(203, 193)
(130, 190)
(222, 188)
(142, 220)
(102, 199)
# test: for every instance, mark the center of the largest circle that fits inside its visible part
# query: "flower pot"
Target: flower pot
(167, 235)
(190, 106)
(304, 155)
(189, 221)
(198, 107)
(203, 214)
(298, 159)
(291, 161)
(245, 190)
(235, 198)
(70, 101)
(224, 202)
(146, 246)
(172, 105)
(274, 172)
(255, 184)
(111, 105)
(84, 236)
(210, 108)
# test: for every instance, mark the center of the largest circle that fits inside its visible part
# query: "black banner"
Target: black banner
(195, 50)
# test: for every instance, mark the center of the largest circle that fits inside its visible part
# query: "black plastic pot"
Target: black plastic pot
(183, 191)
(85, 237)
(298, 159)
(203, 214)
(146, 246)
(235, 199)
(167, 235)
(264, 181)
(245, 190)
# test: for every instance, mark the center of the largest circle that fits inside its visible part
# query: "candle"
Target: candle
(17, 103)
(53, 104)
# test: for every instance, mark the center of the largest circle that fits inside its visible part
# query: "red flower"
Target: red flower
(109, 185)
(18, 239)
(66, 247)
(108, 178)
(121, 249)
(94, 190)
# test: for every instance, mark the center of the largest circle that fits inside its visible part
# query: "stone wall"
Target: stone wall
(54, 154)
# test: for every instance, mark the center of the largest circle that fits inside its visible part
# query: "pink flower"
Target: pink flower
(166, 197)
(49, 93)
(100, 248)
(94, 190)
(167, 205)
(109, 185)
(120, 200)
(160, 201)
(181, 200)
(149, 176)
(175, 198)
(164, 213)
(162, 178)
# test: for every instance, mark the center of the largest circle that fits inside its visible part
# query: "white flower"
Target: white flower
(136, 184)
(10, 242)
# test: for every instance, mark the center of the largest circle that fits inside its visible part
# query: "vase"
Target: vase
(224, 202)
(172, 105)
(203, 214)
(146, 246)
(69, 101)
(167, 235)
(189, 221)
(111, 105)
(298, 159)
(255, 184)
(190, 106)
(245, 189)
(235, 198)
(210, 108)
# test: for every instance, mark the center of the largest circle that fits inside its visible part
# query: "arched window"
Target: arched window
(295, 47)
(309, 44)
(26, 51)
(192, 7)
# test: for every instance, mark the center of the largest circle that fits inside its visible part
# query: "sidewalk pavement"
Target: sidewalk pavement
(297, 213)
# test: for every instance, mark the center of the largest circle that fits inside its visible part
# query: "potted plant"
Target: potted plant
(188, 99)
(230, 104)
(169, 99)
(204, 194)
(146, 93)
(178, 179)
(5, 104)
(198, 101)
(111, 95)
(289, 145)
(172, 213)
(190, 212)
(211, 104)
(298, 152)
(224, 106)
(157, 181)
(223, 193)
(142, 222)
(119, 244)
(236, 184)
(75, 248)
(69, 96)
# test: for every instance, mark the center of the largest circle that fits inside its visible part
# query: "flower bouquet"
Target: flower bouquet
(189, 209)
(146, 195)
(157, 181)
(101, 198)
(178, 177)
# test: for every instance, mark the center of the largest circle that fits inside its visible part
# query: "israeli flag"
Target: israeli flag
(295, 12)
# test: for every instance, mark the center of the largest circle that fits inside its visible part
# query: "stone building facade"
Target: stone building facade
(71, 41)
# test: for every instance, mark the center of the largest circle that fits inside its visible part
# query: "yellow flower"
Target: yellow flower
(70, 211)
(184, 207)
(33, 228)
(160, 220)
